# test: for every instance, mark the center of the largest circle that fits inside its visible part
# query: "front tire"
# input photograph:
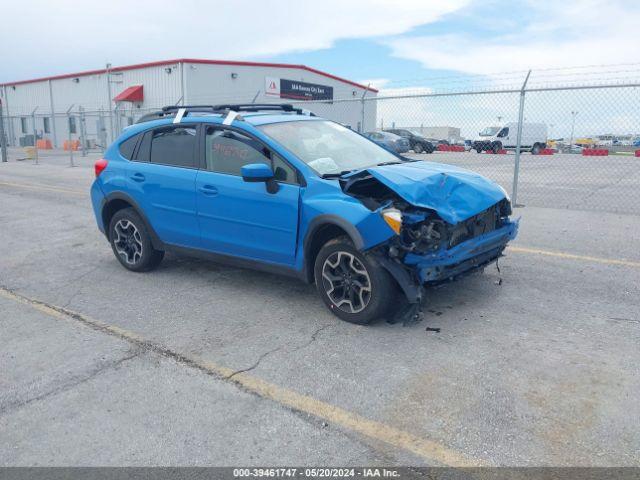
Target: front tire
(496, 147)
(354, 286)
(131, 243)
(535, 150)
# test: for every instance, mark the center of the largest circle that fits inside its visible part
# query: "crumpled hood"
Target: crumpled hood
(453, 193)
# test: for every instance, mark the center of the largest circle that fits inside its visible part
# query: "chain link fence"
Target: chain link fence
(569, 146)
(587, 155)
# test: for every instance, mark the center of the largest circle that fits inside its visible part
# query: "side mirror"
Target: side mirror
(260, 172)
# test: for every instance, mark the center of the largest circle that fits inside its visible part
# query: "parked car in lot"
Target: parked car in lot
(390, 141)
(271, 188)
(534, 138)
(417, 142)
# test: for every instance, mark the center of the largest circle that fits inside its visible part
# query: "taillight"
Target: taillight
(99, 166)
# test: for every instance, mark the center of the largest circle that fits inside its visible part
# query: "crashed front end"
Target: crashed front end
(438, 251)
(447, 223)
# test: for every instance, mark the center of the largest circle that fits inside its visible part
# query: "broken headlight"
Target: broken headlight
(393, 217)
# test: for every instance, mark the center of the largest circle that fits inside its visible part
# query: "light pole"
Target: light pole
(111, 74)
(3, 139)
(573, 124)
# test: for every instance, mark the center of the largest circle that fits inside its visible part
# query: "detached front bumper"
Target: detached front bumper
(446, 265)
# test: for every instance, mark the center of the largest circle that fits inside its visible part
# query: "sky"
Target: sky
(399, 47)
(392, 44)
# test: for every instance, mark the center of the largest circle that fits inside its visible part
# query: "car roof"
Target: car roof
(263, 118)
(254, 119)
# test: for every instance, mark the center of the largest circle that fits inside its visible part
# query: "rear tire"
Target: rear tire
(418, 148)
(131, 242)
(353, 286)
(496, 147)
(535, 150)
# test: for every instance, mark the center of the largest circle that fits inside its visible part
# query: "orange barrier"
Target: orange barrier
(637, 153)
(595, 152)
(44, 144)
(499, 152)
(546, 151)
(74, 144)
(450, 148)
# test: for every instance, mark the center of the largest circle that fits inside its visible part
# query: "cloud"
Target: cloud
(377, 83)
(559, 34)
(89, 33)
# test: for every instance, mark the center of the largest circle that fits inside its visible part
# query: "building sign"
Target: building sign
(295, 90)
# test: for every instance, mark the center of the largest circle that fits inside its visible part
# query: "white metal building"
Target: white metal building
(95, 105)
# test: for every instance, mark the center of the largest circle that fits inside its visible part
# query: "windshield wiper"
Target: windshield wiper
(393, 162)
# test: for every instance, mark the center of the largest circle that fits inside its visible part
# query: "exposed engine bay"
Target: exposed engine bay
(423, 231)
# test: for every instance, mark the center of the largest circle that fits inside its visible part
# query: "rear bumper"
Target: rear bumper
(97, 201)
(464, 258)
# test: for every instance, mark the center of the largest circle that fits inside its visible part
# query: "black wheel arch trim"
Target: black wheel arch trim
(322, 221)
(331, 219)
(155, 239)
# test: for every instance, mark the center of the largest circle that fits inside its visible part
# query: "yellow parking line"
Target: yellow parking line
(38, 186)
(571, 256)
(430, 450)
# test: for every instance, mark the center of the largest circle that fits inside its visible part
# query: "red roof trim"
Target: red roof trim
(130, 94)
(190, 60)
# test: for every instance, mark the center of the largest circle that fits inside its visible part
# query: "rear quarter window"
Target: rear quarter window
(128, 147)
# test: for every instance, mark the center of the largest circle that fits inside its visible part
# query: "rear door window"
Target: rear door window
(174, 146)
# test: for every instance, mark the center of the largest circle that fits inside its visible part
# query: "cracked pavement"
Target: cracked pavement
(540, 370)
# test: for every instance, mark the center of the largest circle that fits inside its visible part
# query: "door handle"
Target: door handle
(138, 177)
(209, 190)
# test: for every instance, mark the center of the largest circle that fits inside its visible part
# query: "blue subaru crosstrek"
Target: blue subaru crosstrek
(276, 188)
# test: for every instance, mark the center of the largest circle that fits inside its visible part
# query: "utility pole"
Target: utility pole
(109, 99)
(3, 138)
(35, 134)
(69, 143)
(83, 132)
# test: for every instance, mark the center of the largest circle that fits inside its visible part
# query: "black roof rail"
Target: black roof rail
(259, 107)
(172, 110)
(190, 108)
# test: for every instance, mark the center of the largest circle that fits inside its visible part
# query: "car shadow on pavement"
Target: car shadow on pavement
(441, 304)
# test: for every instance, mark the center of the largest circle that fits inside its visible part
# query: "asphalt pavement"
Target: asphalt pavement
(198, 363)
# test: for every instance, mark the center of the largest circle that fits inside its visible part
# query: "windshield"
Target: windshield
(328, 147)
(489, 131)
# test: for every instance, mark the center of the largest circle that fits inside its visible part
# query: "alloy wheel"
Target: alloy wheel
(346, 282)
(127, 241)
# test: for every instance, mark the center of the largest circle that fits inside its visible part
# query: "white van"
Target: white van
(534, 137)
